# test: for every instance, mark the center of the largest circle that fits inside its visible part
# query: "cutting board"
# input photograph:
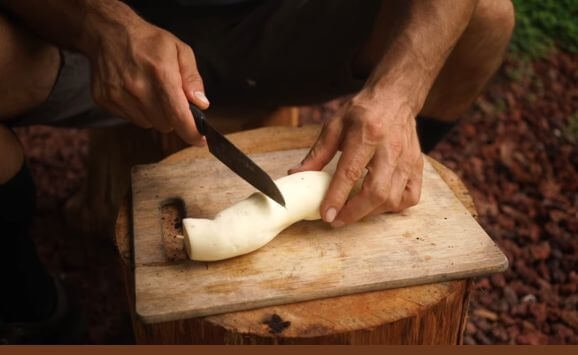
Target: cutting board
(434, 241)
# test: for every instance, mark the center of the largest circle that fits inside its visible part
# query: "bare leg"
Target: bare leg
(11, 155)
(28, 68)
(471, 64)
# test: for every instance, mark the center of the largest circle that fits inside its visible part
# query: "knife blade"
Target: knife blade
(235, 159)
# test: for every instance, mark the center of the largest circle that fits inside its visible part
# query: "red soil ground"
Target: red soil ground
(513, 150)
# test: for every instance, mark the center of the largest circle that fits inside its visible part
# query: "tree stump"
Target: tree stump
(426, 314)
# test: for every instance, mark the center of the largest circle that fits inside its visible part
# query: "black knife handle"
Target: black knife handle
(199, 119)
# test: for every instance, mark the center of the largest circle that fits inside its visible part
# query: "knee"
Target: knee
(7, 45)
(11, 154)
(28, 68)
(495, 17)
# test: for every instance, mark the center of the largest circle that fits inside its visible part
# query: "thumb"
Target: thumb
(191, 79)
(323, 150)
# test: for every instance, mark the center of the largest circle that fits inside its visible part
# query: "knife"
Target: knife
(235, 159)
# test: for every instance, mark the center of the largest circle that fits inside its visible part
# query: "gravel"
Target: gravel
(513, 150)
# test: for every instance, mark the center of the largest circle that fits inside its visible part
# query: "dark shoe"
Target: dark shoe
(34, 307)
(63, 326)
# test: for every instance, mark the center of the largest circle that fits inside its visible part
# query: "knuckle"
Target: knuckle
(371, 127)
(186, 49)
(146, 61)
(156, 68)
(381, 195)
(414, 197)
(420, 163)
(352, 173)
(135, 86)
(376, 193)
(373, 130)
(411, 196)
(192, 77)
(159, 71)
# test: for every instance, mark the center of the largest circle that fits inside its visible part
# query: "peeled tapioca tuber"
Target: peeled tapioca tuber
(255, 221)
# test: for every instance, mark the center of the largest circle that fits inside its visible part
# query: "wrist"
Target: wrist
(405, 99)
(105, 21)
(404, 76)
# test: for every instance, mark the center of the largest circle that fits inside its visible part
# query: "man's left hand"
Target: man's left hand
(380, 137)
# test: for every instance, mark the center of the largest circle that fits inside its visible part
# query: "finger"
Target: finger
(175, 107)
(394, 202)
(412, 192)
(102, 100)
(192, 81)
(143, 103)
(410, 197)
(122, 103)
(350, 169)
(374, 191)
(130, 112)
(139, 118)
(323, 150)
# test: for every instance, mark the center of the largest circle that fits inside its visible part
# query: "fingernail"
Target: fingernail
(337, 224)
(201, 96)
(330, 215)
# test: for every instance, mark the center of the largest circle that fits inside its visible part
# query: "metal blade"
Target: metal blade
(235, 159)
(241, 164)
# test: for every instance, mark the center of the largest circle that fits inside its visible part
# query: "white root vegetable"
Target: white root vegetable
(251, 223)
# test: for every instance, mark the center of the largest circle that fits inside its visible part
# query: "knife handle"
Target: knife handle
(199, 119)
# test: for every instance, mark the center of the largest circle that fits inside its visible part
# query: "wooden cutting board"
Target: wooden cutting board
(437, 240)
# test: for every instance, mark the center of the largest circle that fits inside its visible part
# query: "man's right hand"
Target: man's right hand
(146, 75)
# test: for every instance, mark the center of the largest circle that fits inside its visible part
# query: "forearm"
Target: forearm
(413, 59)
(73, 24)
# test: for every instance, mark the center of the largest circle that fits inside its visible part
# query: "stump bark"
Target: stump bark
(426, 314)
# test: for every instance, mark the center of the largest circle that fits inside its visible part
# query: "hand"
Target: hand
(147, 76)
(380, 137)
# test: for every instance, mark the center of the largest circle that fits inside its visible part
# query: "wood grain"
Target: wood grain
(435, 241)
(427, 314)
(423, 314)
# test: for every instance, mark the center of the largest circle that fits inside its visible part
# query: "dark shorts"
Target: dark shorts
(260, 53)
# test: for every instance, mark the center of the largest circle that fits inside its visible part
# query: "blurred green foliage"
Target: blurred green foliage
(571, 131)
(544, 25)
